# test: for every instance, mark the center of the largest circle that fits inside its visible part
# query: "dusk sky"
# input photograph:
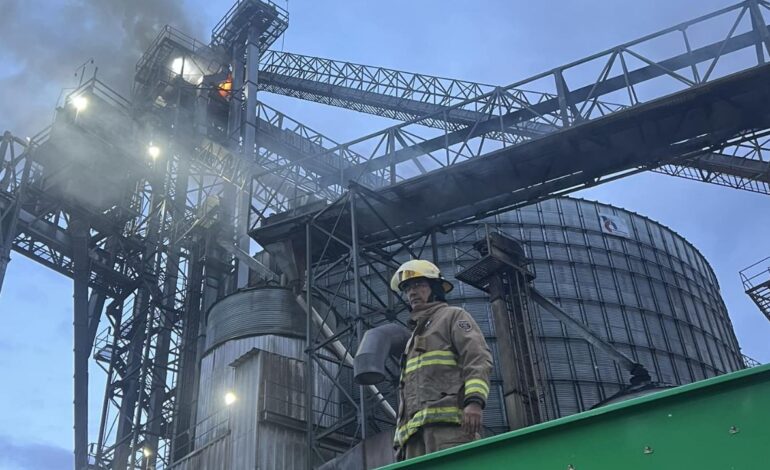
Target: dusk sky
(42, 43)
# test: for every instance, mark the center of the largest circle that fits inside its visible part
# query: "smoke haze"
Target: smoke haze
(42, 49)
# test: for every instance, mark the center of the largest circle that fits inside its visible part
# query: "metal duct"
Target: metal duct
(377, 344)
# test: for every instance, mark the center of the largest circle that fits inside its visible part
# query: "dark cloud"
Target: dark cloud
(43, 45)
(33, 455)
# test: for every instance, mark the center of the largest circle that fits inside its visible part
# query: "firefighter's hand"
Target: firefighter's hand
(472, 418)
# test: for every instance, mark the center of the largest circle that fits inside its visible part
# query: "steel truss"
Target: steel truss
(346, 291)
(742, 162)
(588, 89)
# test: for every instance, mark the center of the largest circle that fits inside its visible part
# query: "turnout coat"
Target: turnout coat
(445, 366)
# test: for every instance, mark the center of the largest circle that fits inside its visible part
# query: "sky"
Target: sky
(43, 42)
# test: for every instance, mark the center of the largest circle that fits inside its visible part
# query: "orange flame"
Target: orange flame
(226, 86)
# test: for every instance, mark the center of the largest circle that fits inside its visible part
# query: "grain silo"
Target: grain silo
(633, 281)
(250, 404)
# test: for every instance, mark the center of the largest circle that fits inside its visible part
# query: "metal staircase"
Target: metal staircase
(756, 283)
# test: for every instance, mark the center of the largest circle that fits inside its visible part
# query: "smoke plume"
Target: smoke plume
(43, 42)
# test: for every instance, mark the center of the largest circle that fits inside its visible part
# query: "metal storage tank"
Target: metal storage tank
(254, 349)
(633, 281)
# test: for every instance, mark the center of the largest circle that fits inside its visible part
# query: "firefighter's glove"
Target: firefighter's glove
(472, 418)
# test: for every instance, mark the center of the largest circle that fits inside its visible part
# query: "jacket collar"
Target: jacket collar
(424, 311)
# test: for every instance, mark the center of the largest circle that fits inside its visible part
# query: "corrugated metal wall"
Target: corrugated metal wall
(651, 293)
(217, 378)
(234, 316)
(265, 427)
(213, 456)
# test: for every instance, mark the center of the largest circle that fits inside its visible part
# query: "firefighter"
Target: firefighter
(444, 370)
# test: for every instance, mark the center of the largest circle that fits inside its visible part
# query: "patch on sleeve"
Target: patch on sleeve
(465, 325)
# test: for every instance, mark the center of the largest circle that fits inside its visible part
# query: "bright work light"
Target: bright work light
(188, 69)
(153, 151)
(80, 103)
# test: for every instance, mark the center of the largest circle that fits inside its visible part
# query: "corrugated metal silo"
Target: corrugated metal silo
(255, 342)
(631, 280)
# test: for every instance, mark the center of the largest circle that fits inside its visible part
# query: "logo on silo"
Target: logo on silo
(614, 225)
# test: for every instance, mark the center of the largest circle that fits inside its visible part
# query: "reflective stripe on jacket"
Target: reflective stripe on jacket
(445, 365)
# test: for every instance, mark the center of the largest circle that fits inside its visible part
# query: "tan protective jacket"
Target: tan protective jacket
(445, 366)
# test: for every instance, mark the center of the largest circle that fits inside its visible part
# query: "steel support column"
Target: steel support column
(357, 305)
(187, 382)
(515, 408)
(249, 128)
(237, 129)
(309, 359)
(79, 232)
(250, 91)
(136, 327)
(168, 313)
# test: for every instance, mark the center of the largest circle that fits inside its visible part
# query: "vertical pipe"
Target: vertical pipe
(79, 233)
(250, 89)
(309, 346)
(434, 247)
(187, 382)
(391, 156)
(356, 296)
(236, 133)
(539, 385)
(512, 393)
(517, 294)
(242, 198)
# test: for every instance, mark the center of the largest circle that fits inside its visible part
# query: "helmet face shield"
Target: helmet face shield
(418, 268)
(406, 275)
(413, 282)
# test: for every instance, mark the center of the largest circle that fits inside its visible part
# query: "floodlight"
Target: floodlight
(153, 151)
(230, 398)
(188, 69)
(177, 65)
(80, 103)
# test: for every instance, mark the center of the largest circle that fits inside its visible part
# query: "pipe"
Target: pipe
(376, 345)
(639, 373)
(343, 354)
(248, 260)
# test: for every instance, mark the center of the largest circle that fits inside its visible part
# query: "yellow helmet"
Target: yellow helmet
(417, 268)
